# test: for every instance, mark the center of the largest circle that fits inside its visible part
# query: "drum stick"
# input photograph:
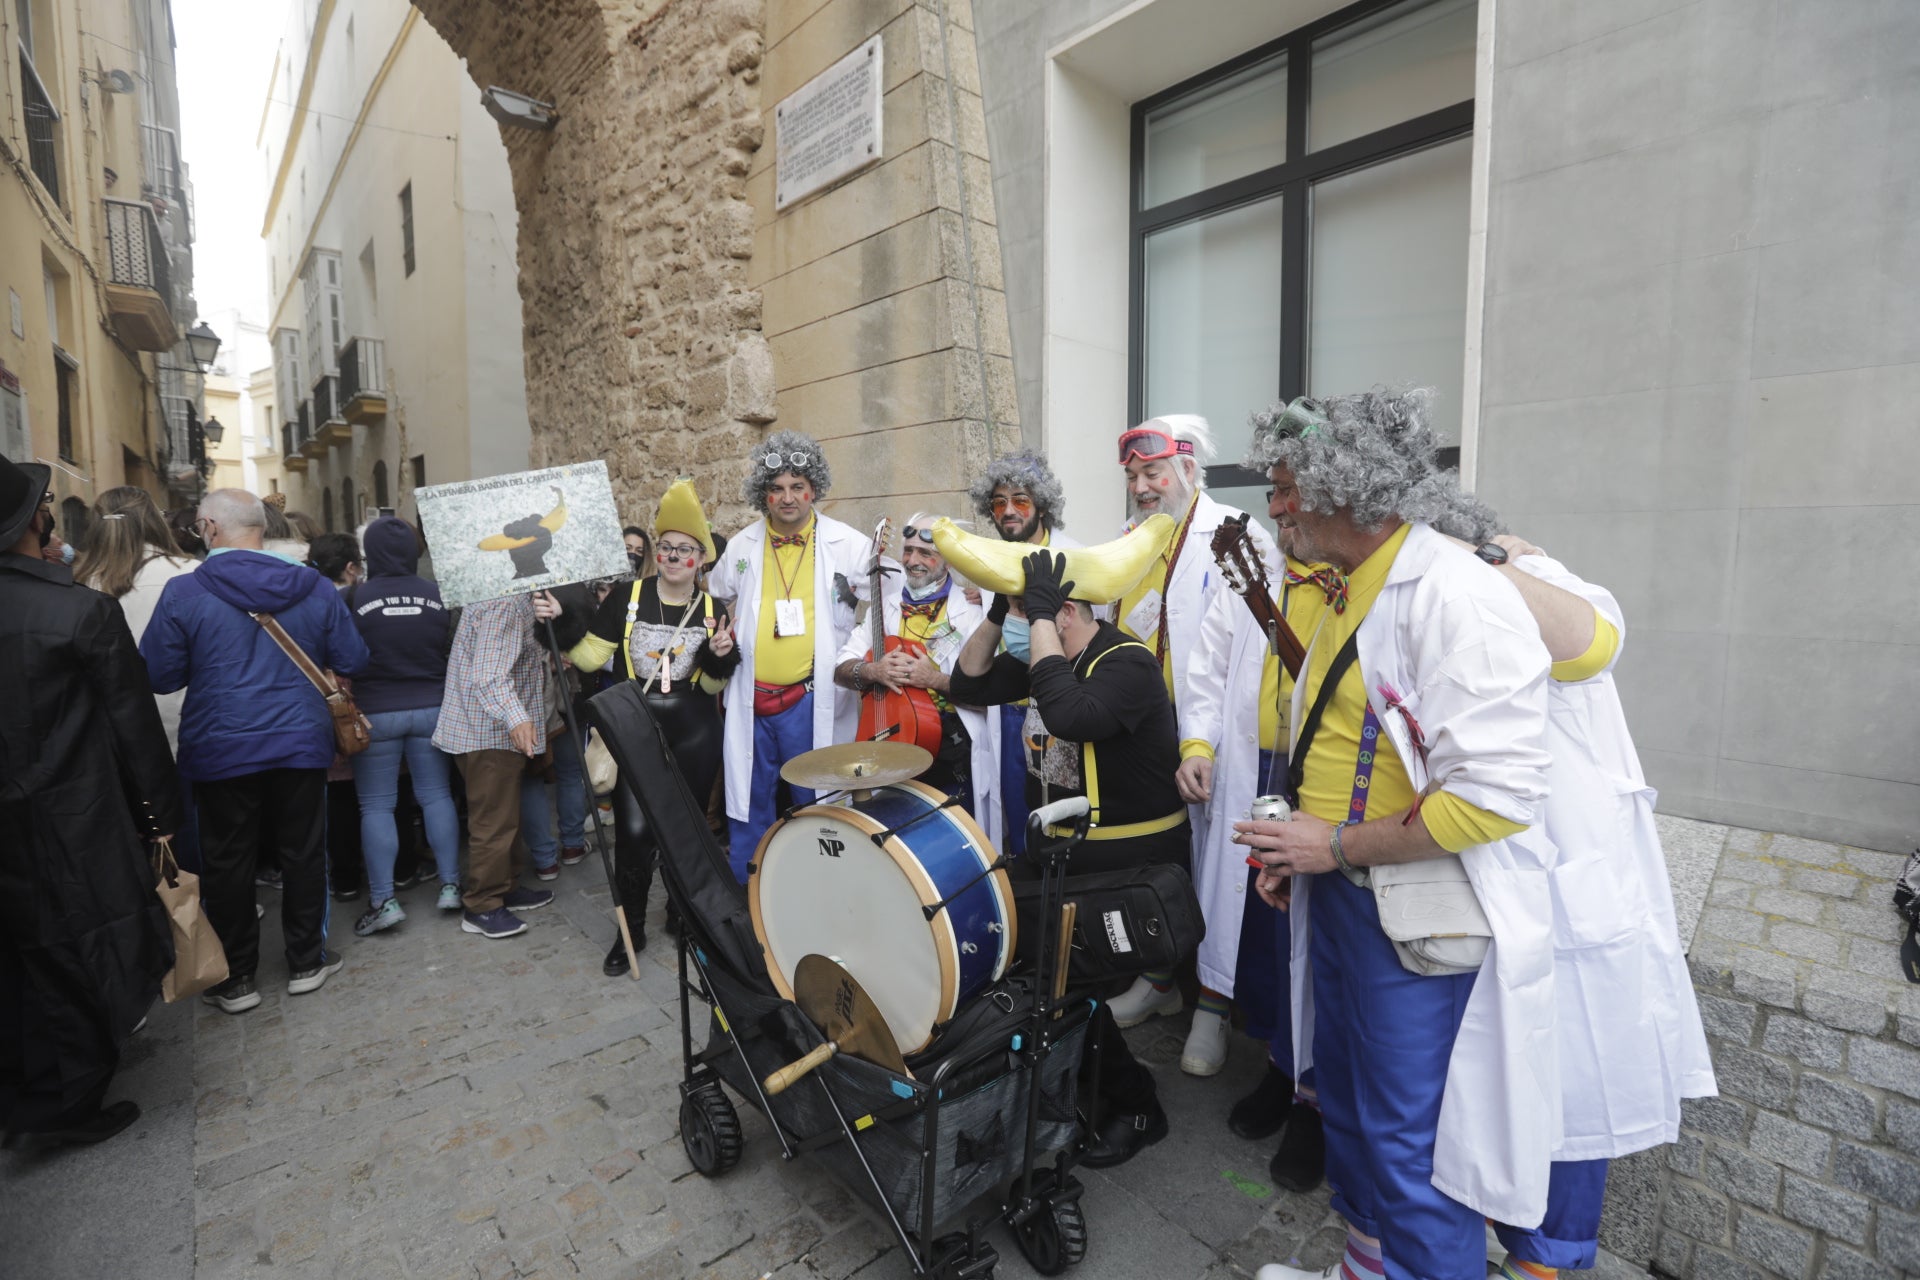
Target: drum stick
(782, 1079)
(1063, 951)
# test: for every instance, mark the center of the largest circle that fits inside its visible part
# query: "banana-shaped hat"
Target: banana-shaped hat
(1100, 575)
(680, 511)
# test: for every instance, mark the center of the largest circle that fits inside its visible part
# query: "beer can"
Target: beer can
(1270, 809)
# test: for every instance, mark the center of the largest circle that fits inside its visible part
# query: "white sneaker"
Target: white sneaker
(1274, 1271)
(1206, 1050)
(1142, 1001)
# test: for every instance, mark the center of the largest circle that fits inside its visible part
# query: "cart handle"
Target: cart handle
(1061, 812)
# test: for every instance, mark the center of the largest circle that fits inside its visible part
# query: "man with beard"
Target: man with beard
(925, 609)
(1018, 494)
(84, 941)
(793, 581)
(1165, 460)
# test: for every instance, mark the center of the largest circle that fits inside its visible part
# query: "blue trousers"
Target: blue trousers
(569, 798)
(776, 740)
(1569, 1236)
(1013, 780)
(408, 736)
(1263, 973)
(1381, 1040)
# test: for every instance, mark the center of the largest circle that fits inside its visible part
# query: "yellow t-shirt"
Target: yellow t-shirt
(1606, 643)
(784, 573)
(921, 630)
(1326, 786)
(1303, 607)
(1157, 582)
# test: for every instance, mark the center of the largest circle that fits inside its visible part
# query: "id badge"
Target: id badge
(789, 618)
(1144, 620)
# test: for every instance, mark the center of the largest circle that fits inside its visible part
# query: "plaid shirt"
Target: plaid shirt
(496, 678)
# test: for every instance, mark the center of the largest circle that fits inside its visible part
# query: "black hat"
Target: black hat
(22, 485)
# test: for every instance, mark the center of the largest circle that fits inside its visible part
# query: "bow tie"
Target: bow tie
(789, 540)
(1332, 584)
(923, 608)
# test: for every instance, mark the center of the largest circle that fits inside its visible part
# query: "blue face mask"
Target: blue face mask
(1014, 634)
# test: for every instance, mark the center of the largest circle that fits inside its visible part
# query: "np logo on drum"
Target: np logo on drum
(831, 847)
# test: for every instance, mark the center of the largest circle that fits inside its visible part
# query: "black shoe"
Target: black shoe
(346, 893)
(1301, 1162)
(616, 965)
(98, 1127)
(1122, 1137)
(1261, 1113)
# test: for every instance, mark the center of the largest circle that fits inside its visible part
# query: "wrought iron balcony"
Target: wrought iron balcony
(290, 442)
(139, 277)
(329, 412)
(310, 446)
(363, 379)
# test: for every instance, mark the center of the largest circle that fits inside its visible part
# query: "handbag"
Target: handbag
(199, 961)
(352, 732)
(602, 772)
(1136, 920)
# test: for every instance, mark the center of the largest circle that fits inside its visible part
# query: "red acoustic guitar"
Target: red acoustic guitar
(885, 716)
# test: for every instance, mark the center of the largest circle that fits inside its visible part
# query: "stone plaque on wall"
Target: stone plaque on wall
(829, 127)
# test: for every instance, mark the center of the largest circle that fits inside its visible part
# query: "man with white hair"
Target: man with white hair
(920, 605)
(1165, 461)
(256, 737)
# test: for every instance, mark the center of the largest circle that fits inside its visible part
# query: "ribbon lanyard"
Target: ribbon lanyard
(1363, 768)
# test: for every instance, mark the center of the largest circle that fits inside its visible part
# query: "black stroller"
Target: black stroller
(990, 1111)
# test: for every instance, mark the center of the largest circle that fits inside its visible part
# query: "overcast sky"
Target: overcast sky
(225, 52)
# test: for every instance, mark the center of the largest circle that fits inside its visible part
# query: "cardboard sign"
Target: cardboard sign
(528, 531)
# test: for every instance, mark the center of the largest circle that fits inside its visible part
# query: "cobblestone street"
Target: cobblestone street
(448, 1107)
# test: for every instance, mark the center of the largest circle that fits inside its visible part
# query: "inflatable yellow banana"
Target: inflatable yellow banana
(1100, 575)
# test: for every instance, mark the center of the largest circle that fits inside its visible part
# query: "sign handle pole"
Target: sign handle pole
(593, 807)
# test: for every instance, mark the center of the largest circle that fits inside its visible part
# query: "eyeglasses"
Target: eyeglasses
(201, 526)
(779, 461)
(925, 534)
(671, 552)
(1150, 444)
(1020, 502)
(46, 499)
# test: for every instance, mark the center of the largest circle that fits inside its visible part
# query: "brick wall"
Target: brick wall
(1808, 1163)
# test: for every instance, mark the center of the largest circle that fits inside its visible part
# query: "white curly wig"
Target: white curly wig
(786, 444)
(1370, 454)
(1022, 469)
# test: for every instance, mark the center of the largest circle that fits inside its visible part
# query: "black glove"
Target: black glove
(1045, 591)
(997, 611)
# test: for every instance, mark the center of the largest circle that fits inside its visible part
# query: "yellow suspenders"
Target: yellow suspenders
(1092, 778)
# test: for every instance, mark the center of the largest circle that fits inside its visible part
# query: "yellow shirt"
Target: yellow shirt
(1303, 607)
(785, 573)
(1157, 583)
(1326, 787)
(921, 631)
(1606, 643)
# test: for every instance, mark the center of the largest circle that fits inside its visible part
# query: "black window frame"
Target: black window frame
(1293, 180)
(406, 227)
(63, 392)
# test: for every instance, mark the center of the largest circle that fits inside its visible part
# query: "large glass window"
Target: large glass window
(1300, 223)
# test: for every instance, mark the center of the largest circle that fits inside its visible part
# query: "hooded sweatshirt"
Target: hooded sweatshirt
(248, 707)
(401, 618)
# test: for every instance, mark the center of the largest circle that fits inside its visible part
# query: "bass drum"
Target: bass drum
(854, 879)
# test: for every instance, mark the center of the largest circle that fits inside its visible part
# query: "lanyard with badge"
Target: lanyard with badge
(789, 612)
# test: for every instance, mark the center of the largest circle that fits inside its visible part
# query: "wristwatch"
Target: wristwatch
(1491, 552)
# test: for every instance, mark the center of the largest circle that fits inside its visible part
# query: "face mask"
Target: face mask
(921, 593)
(1014, 634)
(66, 553)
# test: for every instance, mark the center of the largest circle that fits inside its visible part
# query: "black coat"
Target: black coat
(85, 774)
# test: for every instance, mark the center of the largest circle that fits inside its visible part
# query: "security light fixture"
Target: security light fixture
(203, 344)
(517, 110)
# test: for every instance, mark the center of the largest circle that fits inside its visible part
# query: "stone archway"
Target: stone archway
(642, 334)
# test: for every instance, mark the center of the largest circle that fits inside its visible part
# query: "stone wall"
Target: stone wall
(1808, 1163)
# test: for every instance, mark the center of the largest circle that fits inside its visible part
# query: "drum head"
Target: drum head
(822, 886)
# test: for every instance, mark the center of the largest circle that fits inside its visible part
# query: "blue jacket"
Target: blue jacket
(248, 708)
(400, 616)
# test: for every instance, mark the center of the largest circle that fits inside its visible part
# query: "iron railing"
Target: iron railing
(136, 255)
(326, 400)
(43, 150)
(303, 424)
(363, 369)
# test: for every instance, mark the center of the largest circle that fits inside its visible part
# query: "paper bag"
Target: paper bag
(199, 961)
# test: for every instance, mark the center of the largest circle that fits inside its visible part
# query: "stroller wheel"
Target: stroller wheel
(710, 1131)
(1053, 1239)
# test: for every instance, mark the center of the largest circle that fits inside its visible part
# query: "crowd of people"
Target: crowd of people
(1456, 945)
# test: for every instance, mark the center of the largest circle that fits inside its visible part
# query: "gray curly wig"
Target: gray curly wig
(785, 444)
(1466, 517)
(1023, 469)
(1370, 454)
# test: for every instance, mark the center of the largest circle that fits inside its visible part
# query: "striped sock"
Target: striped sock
(1160, 981)
(1361, 1261)
(1515, 1269)
(1212, 1002)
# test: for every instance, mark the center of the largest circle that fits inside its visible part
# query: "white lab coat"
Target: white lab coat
(1459, 646)
(1629, 1033)
(838, 548)
(1222, 707)
(964, 616)
(1195, 581)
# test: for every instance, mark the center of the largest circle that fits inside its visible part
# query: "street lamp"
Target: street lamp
(213, 430)
(203, 344)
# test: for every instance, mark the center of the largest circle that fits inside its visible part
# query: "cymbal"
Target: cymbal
(846, 1016)
(849, 765)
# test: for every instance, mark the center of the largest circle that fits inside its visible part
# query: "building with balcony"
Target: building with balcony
(96, 256)
(390, 234)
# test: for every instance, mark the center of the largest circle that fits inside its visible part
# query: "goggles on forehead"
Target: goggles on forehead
(1151, 444)
(1302, 418)
(780, 461)
(925, 534)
